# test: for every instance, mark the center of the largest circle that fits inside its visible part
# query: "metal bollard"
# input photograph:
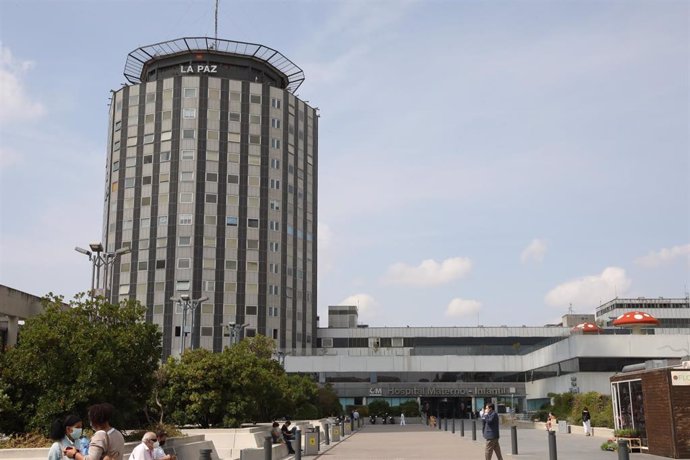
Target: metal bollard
(462, 427)
(268, 448)
(445, 427)
(453, 425)
(342, 428)
(318, 438)
(327, 432)
(553, 451)
(623, 451)
(513, 440)
(352, 425)
(204, 454)
(298, 444)
(474, 430)
(440, 421)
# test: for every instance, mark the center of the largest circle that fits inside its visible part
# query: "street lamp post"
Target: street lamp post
(235, 331)
(187, 304)
(100, 259)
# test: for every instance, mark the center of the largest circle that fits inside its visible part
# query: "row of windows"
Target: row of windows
(211, 155)
(188, 176)
(213, 94)
(191, 113)
(210, 242)
(230, 221)
(212, 114)
(210, 286)
(190, 134)
(186, 262)
(207, 331)
(641, 306)
(209, 219)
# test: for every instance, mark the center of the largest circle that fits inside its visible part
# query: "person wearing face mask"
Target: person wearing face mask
(105, 441)
(65, 432)
(158, 452)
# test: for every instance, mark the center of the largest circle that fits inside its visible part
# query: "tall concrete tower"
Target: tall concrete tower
(212, 183)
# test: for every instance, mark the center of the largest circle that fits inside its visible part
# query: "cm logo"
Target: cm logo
(375, 391)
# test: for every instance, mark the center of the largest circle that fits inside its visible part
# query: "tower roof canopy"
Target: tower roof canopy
(143, 58)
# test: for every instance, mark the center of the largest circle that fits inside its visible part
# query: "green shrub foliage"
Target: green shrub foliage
(72, 356)
(240, 384)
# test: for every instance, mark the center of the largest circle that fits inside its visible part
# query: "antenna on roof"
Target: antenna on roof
(216, 28)
(570, 309)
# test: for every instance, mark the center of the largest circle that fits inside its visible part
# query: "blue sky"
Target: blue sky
(479, 162)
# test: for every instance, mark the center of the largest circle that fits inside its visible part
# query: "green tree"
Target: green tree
(562, 404)
(411, 408)
(329, 403)
(379, 407)
(68, 358)
(241, 384)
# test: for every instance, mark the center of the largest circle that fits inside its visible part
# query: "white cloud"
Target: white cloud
(664, 256)
(429, 272)
(535, 251)
(16, 103)
(463, 307)
(589, 291)
(366, 304)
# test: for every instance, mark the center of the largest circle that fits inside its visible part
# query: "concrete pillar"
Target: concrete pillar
(12, 330)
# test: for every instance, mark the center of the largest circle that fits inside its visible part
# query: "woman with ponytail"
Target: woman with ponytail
(65, 432)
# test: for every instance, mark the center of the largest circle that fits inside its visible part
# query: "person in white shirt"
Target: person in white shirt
(402, 418)
(144, 451)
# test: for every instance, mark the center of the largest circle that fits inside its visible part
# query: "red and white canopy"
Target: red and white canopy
(636, 318)
(587, 328)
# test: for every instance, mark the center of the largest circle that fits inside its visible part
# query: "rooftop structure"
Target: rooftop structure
(227, 58)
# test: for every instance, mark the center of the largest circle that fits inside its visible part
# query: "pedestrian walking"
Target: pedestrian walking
(587, 422)
(402, 418)
(491, 433)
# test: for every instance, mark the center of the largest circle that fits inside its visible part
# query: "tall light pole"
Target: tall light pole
(187, 304)
(100, 259)
(235, 331)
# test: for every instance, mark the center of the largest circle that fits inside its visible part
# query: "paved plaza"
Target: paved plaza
(393, 442)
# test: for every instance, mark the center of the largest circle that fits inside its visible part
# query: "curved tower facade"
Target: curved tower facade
(212, 184)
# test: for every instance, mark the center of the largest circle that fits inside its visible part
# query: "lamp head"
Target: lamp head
(123, 251)
(82, 251)
(96, 247)
(184, 297)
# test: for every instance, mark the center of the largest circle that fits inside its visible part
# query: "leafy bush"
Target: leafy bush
(600, 409)
(626, 433)
(27, 440)
(70, 358)
(410, 408)
(240, 384)
(609, 444)
(379, 407)
(569, 406)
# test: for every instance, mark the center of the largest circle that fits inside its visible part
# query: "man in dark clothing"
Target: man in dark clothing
(490, 432)
(288, 435)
